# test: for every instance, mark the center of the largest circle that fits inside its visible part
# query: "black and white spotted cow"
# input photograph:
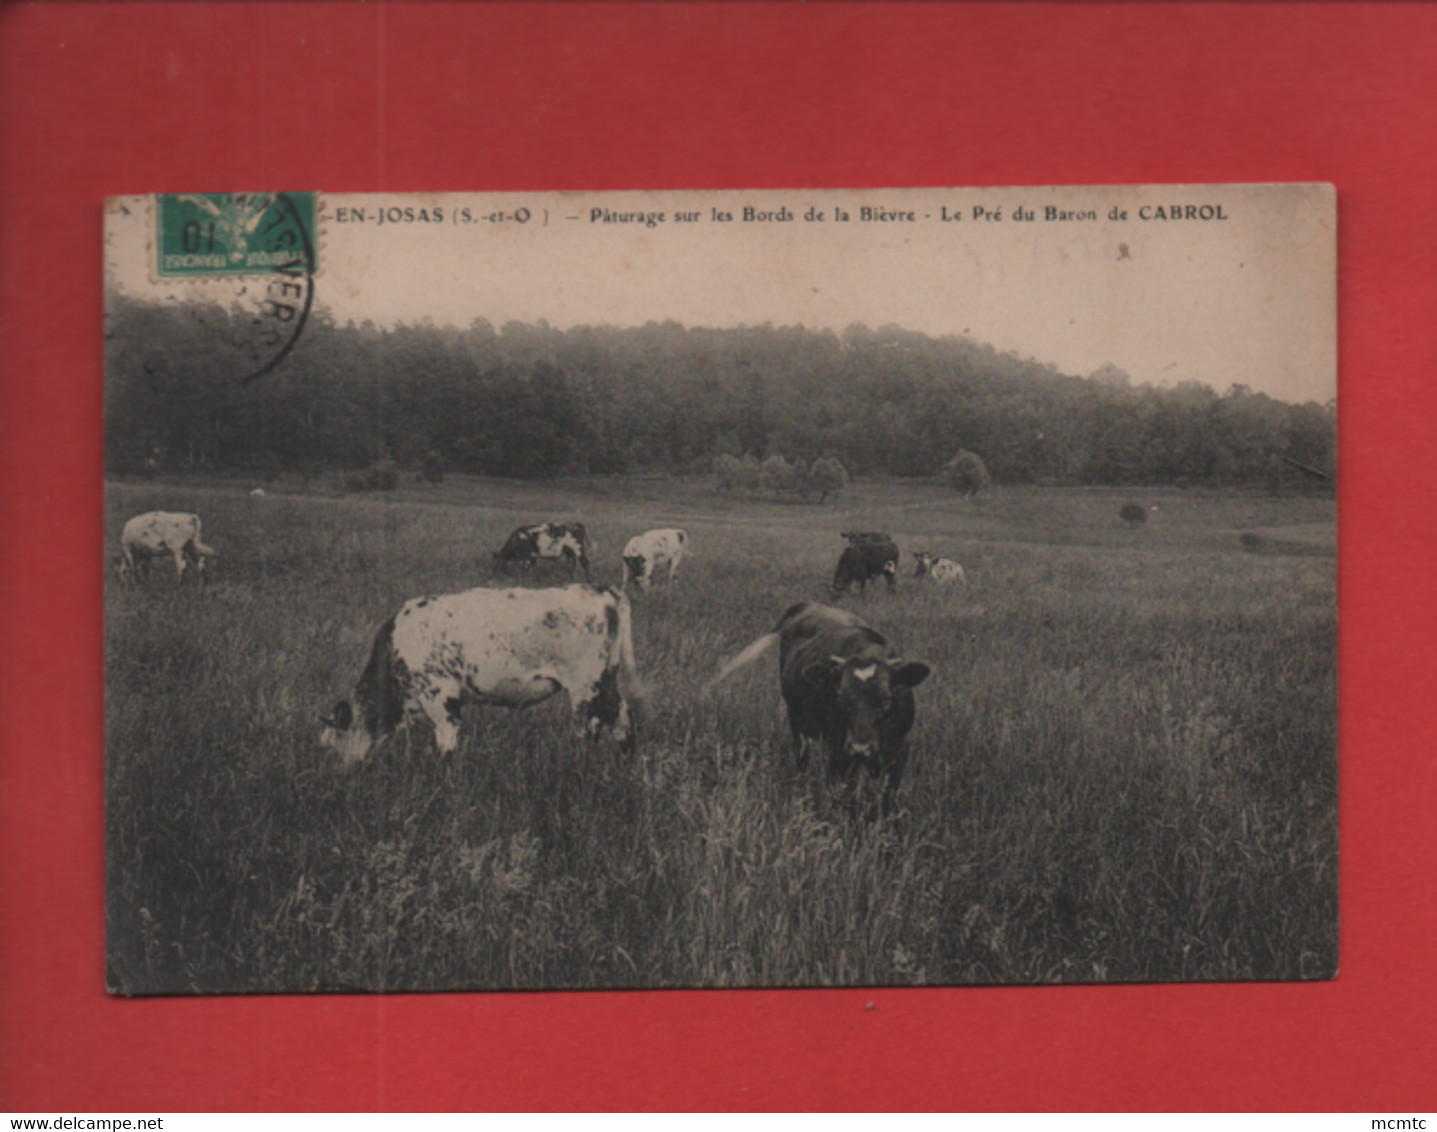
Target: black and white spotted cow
(648, 553)
(511, 647)
(550, 542)
(163, 534)
(943, 571)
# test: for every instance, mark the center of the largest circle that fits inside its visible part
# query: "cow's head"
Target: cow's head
(863, 688)
(923, 562)
(637, 565)
(345, 734)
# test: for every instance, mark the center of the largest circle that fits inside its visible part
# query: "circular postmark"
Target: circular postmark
(256, 256)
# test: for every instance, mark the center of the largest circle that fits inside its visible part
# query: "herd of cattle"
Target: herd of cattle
(846, 687)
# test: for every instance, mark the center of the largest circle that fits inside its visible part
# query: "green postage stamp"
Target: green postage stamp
(252, 256)
(201, 234)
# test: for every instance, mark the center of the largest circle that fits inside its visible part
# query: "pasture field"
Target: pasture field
(1124, 766)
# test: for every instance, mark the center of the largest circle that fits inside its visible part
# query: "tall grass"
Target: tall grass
(1124, 766)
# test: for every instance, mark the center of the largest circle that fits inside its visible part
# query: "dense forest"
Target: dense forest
(531, 401)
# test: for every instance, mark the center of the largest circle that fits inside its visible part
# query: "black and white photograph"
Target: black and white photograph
(720, 589)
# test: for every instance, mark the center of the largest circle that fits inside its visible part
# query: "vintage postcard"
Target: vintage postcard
(718, 589)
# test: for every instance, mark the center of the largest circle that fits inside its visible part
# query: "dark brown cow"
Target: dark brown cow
(845, 687)
(863, 562)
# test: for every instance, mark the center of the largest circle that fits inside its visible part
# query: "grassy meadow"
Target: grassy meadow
(1124, 765)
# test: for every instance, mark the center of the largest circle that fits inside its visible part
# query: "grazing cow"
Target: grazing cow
(553, 542)
(864, 562)
(846, 687)
(511, 647)
(943, 571)
(163, 534)
(647, 553)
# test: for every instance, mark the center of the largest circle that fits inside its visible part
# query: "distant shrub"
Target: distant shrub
(1133, 514)
(966, 473)
(382, 475)
(779, 476)
(726, 471)
(749, 473)
(733, 474)
(827, 477)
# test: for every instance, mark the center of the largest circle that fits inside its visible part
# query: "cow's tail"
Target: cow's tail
(747, 656)
(764, 643)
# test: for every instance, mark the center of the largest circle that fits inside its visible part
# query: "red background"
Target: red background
(98, 99)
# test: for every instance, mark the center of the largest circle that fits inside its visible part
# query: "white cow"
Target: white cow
(257, 493)
(163, 534)
(944, 571)
(645, 554)
(512, 647)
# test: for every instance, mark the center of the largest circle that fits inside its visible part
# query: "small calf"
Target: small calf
(943, 571)
(648, 553)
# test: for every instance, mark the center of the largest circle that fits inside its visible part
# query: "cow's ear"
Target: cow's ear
(909, 672)
(341, 717)
(823, 673)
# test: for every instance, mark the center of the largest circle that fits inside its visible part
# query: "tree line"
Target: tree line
(528, 400)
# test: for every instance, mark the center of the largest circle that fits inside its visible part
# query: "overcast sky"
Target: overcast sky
(1248, 299)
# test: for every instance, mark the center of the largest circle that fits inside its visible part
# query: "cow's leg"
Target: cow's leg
(179, 565)
(800, 745)
(601, 705)
(441, 699)
(195, 559)
(803, 727)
